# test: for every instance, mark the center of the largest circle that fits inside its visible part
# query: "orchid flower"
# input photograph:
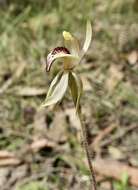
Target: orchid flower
(70, 55)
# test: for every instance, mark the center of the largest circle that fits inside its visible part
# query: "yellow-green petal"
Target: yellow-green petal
(71, 43)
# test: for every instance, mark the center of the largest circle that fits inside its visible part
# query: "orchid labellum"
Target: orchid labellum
(70, 55)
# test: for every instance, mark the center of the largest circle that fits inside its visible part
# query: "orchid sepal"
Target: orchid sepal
(88, 38)
(76, 88)
(71, 43)
(57, 90)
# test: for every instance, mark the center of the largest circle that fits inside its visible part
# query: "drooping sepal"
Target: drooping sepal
(76, 88)
(57, 89)
(54, 83)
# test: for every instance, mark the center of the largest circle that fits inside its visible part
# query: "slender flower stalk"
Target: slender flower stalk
(88, 153)
(70, 55)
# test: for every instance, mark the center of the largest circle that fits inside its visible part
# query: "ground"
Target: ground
(42, 149)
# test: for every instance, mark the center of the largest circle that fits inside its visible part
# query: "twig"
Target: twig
(89, 157)
(8, 159)
(101, 135)
(9, 162)
(118, 136)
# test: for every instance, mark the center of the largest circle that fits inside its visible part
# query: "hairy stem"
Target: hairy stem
(88, 153)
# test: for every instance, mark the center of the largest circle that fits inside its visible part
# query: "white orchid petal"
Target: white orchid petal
(88, 37)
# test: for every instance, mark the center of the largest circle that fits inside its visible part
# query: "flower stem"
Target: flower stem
(88, 153)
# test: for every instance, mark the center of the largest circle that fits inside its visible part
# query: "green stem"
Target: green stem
(88, 153)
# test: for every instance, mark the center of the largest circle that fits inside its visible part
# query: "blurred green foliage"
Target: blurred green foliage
(123, 184)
